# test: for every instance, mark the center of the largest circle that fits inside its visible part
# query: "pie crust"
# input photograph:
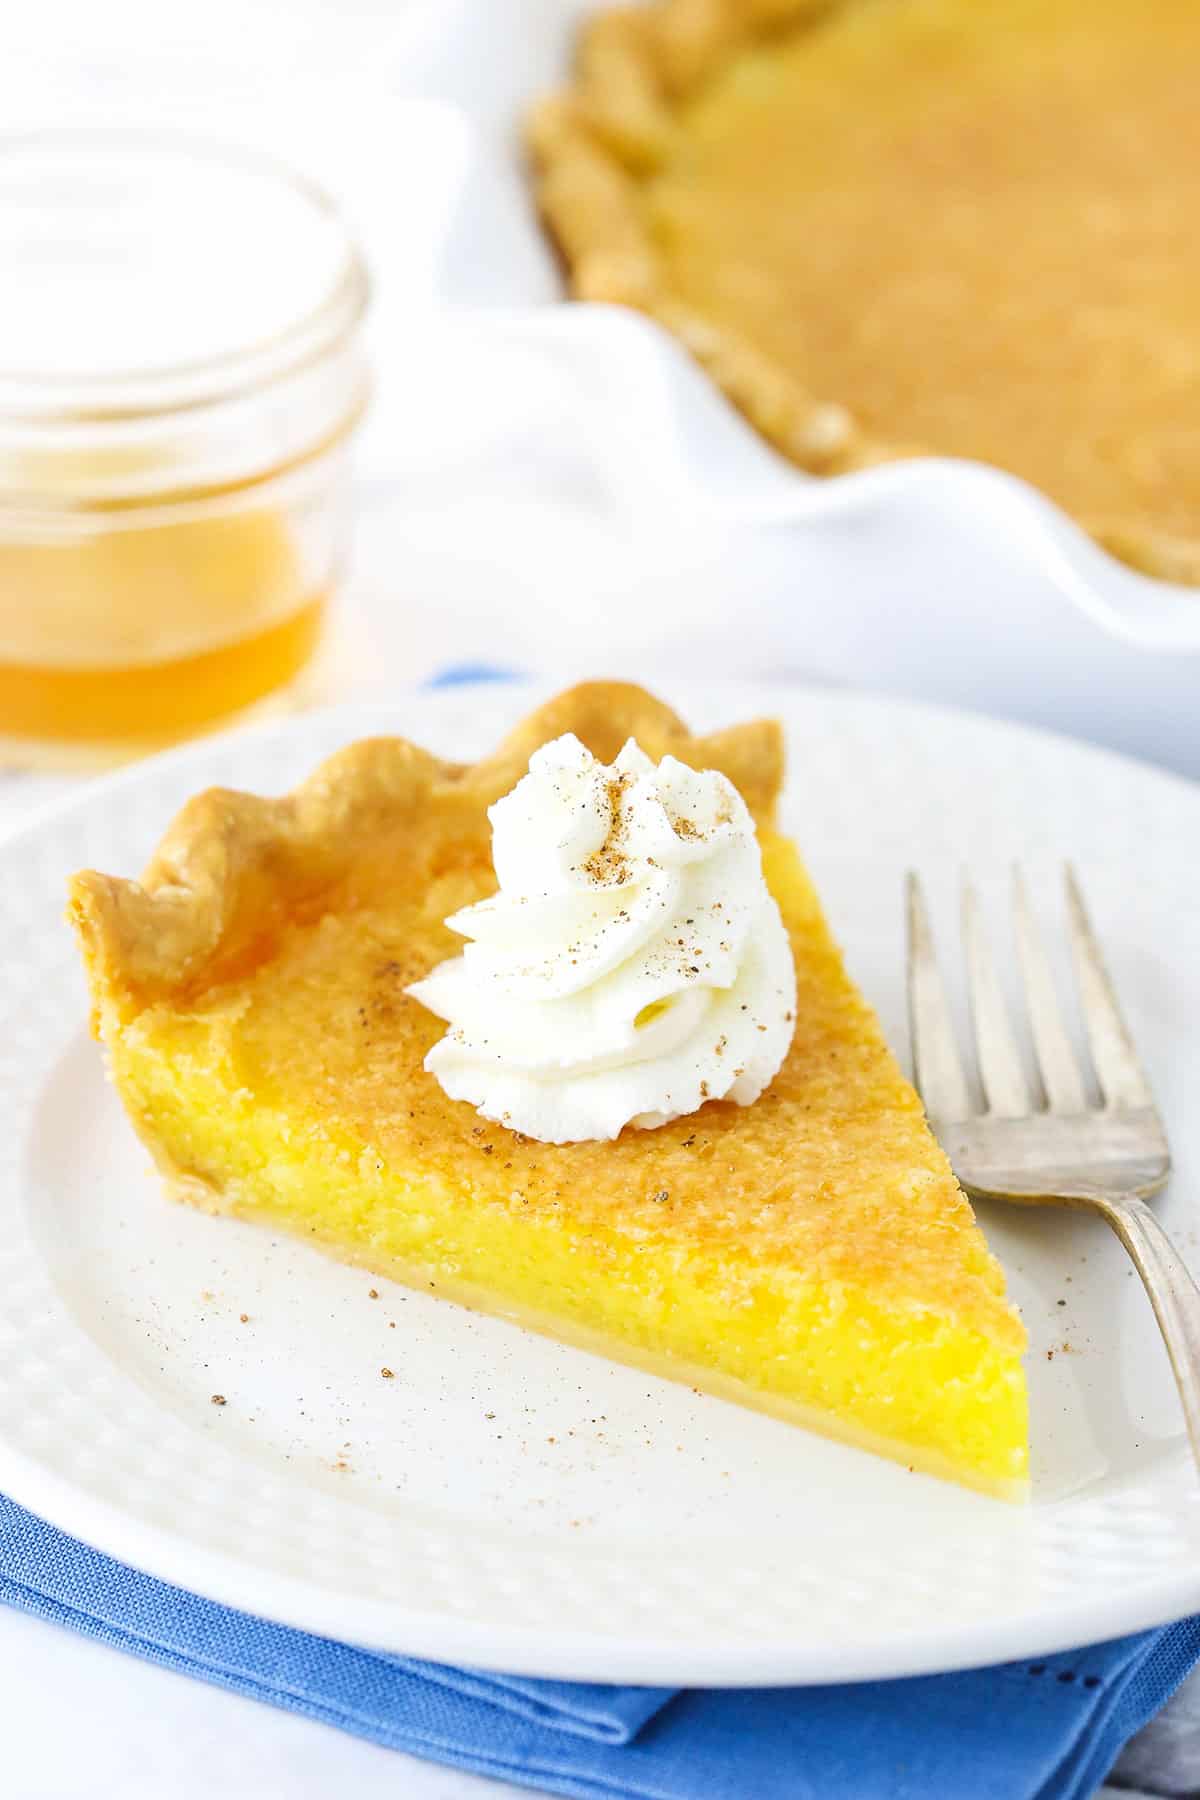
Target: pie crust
(233, 862)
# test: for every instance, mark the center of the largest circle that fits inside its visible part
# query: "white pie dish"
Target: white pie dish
(937, 578)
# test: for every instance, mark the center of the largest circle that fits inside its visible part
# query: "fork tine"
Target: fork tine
(995, 1046)
(938, 1070)
(1116, 1060)
(1057, 1061)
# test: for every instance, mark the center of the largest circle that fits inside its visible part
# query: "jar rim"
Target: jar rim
(90, 397)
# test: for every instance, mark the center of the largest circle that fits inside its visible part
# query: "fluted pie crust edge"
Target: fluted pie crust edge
(230, 860)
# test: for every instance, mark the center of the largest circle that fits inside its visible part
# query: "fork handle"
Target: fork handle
(1173, 1295)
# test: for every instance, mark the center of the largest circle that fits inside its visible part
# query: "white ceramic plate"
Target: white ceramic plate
(513, 1503)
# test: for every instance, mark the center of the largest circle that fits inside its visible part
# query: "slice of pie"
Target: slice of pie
(889, 227)
(809, 1254)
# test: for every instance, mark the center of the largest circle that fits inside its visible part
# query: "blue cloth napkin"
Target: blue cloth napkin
(1043, 1730)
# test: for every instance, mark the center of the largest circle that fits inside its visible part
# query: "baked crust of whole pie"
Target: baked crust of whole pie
(901, 227)
(810, 1255)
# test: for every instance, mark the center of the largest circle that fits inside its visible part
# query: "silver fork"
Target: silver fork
(1052, 1147)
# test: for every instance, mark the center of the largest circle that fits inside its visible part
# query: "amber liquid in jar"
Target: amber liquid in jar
(168, 699)
(180, 373)
(151, 632)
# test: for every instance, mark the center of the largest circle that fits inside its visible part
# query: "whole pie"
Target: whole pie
(891, 227)
(809, 1254)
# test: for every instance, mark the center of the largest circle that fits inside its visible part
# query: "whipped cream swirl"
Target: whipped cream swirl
(632, 965)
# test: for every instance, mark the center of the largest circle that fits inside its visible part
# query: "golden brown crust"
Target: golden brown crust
(232, 863)
(590, 146)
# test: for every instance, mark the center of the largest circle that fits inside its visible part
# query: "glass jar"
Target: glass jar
(181, 373)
